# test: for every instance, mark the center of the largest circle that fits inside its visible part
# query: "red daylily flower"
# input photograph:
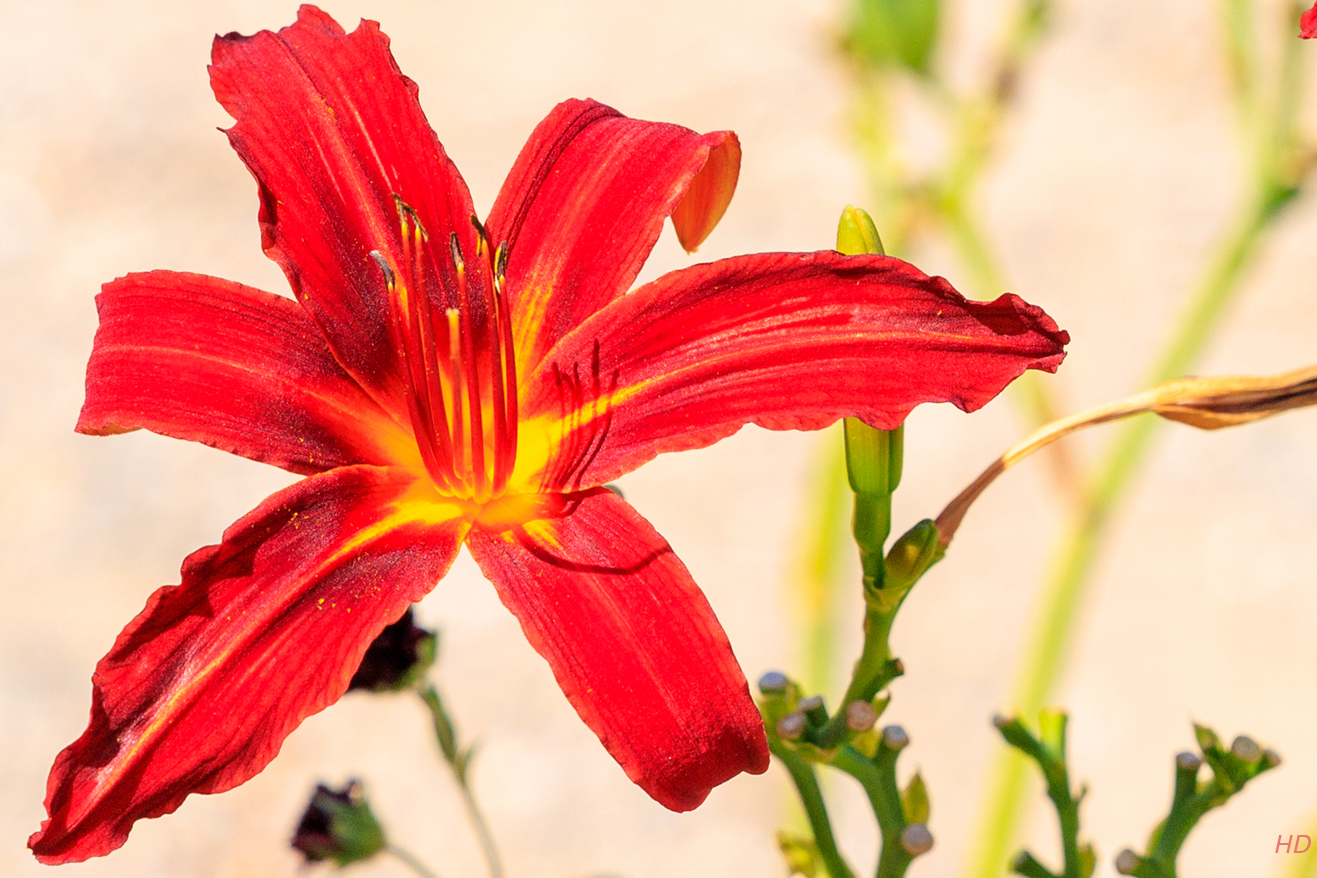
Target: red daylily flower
(1308, 24)
(442, 383)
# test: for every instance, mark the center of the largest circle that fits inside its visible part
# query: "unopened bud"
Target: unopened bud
(895, 738)
(792, 726)
(1187, 761)
(1127, 861)
(1271, 756)
(399, 656)
(1246, 748)
(916, 839)
(339, 826)
(860, 716)
(773, 683)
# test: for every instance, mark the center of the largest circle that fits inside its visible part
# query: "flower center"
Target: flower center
(451, 326)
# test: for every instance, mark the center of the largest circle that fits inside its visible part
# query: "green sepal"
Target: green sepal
(914, 800)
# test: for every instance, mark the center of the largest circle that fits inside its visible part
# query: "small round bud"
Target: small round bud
(895, 738)
(860, 716)
(898, 667)
(1272, 757)
(916, 839)
(792, 726)
(1001, 721)
(1246, 749)
(773, 683)
(1126, 862)
(1187, 761)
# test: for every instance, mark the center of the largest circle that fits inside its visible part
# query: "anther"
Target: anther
(482, 239)
(457, 251)
(501, 262)
(390, 280)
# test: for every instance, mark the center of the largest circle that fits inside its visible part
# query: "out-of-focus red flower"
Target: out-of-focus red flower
(441, 382)
(1308, 24)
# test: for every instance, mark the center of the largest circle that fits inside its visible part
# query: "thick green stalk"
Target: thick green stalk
(1270, 189)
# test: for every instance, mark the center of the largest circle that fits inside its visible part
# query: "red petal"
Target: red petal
(1308, 24)
(785, 341)
(584, 204)
(332, 131)
(213, 361)
(201, 689)
(631, 641)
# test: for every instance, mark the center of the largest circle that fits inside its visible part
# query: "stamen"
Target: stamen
(454, 405)
(412, 362)
(455, 363)
(508, 355)
(474, 408)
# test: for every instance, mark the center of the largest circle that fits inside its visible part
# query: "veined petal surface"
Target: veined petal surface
(584, 204)
(333, 131)
(785, 341)
(213, 361)
(632, 642)
(267, 628)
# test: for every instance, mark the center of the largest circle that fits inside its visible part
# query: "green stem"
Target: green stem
(482, 830)
(878, 778)
(1072, 571)
(412, 862)
(458, 761)
(816, 810)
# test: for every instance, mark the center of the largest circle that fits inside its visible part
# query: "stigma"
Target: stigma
(449, 321)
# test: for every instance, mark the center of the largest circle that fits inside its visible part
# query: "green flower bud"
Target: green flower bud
(339, 826)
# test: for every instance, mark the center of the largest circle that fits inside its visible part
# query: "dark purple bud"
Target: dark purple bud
(397, 658)
(338, 825)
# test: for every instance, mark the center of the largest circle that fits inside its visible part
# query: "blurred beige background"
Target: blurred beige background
(1115, 178)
